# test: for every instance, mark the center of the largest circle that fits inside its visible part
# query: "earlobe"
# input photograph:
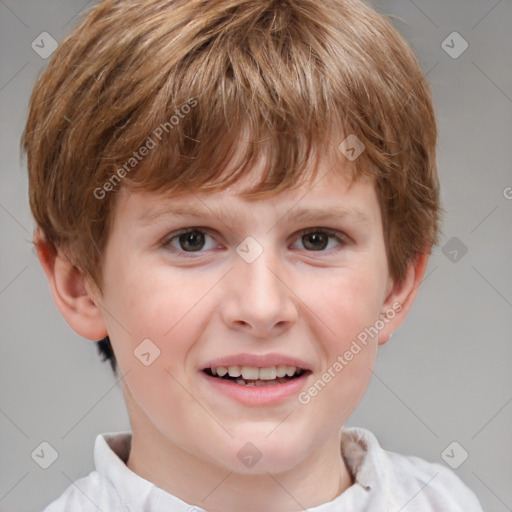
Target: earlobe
(81, 310)
(401, 296)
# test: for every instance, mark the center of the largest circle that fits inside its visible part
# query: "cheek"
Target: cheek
(160, 317)
(152, 302)
(169, 309)
(346, 313)
(347, 304)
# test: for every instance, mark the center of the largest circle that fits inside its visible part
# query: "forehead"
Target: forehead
(329, 194)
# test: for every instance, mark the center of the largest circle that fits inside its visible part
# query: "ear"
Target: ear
(70, 292)
(401, 295)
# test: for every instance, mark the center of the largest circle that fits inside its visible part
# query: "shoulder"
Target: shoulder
(405, 482)
(104, 488)
(439, 486)
(87, 494)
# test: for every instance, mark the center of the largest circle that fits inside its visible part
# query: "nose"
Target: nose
(258, 301)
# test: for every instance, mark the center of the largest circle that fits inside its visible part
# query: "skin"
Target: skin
(293, 300)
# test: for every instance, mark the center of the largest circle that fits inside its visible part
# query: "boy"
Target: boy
(238, 198)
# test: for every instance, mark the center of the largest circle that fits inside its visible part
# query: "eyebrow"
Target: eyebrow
(303, 214)
(329, 212)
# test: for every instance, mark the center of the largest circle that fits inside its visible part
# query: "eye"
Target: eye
(189, 240)
(317, 239)
(197, 240)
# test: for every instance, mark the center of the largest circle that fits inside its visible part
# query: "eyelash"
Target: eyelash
(340, 238)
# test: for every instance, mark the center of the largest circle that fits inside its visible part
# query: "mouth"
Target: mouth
(256, 376)
(255, 379)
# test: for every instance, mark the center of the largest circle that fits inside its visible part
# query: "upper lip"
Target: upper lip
(256, 360)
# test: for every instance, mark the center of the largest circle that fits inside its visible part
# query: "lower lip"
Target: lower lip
(257, 395)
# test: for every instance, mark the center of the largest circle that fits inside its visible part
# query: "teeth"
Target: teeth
(281, 370)
(221, 371)
(250, 372)
(234, 371)
(290, 371)
(254, 373)
(260, 382)
(268, 373)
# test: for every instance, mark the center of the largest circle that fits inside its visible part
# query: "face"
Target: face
(204, 283)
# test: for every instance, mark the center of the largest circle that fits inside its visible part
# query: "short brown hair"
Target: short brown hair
(296, 75)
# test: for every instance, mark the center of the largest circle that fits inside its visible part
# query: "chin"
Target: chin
(257, 454)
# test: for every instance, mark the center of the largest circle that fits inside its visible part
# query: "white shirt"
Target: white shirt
(384, 482)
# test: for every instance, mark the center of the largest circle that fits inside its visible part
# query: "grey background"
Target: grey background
(444, 376)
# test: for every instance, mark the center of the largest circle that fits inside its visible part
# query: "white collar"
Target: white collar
(360, 449)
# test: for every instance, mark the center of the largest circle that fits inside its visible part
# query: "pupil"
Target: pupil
(319, 241)
(193, 240)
